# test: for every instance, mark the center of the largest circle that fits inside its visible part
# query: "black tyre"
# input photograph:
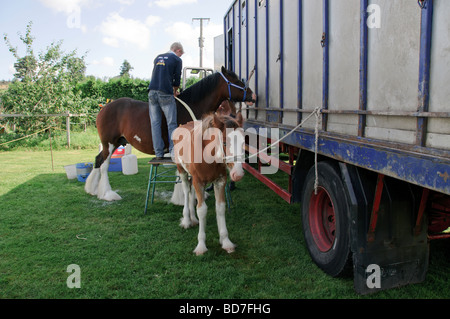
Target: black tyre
(325, 222)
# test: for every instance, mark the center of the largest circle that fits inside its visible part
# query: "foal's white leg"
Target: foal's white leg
(201, 246)
(192, 198)
(202, 209)
(185, 220)
(104, 188)
(178, 194)
(219, 192)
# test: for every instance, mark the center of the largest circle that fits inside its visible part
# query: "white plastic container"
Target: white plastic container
(129, 164)
(71, 171)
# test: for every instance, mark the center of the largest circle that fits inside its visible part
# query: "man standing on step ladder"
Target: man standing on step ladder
(163, 87)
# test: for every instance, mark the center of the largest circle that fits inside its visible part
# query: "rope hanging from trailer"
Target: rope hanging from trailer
(316, 113)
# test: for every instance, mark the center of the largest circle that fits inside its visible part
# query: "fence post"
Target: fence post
(68, 129)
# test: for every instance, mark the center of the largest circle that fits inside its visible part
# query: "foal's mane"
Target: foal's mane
(228, 121)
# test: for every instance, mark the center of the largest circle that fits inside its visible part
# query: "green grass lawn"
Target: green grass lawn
(48, 222)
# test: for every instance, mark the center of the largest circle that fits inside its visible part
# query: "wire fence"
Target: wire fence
(68, 116)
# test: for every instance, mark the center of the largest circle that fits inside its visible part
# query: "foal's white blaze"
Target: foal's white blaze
(236, 138)
(251, 103)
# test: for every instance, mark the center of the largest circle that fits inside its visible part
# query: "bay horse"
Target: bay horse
(128, 121)
(222, 146)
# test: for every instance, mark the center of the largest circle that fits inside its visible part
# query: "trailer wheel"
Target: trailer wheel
(325, 221)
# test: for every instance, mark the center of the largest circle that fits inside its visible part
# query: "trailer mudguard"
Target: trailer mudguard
(387, 252)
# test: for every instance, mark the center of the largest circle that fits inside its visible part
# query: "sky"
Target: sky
(111, 31)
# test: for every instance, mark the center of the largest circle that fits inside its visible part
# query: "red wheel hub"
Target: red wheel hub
(322, 220)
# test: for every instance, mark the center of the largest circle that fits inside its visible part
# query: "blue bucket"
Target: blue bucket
(83, 171)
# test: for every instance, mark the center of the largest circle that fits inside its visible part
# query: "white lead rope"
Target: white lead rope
(187, 108)
(316, 113)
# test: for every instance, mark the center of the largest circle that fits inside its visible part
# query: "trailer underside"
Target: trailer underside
(391, 215)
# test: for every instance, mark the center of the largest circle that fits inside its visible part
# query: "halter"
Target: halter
(230, 158)
(236, 86)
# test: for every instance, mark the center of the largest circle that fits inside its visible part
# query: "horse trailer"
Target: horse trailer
(358, 93)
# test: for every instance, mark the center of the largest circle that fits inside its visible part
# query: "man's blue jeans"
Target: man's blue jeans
(159, 103)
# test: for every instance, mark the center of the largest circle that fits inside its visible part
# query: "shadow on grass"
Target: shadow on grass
(49, 222)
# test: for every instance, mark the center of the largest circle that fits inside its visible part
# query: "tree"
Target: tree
(125, 69)
(44, 84)
(25, 66)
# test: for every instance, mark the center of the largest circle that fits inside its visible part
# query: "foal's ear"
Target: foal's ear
(218, 123)
(224, 71)
(240, 119)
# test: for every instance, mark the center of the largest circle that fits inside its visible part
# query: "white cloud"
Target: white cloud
(106, 61)
(171, 3)
(152, 20)
(117, 29)
(112, 42)
(66, 6)
(126, 2)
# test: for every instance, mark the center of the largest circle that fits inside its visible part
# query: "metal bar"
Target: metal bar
(391, 113)
(292, 157)
(421, 166)
(361, 112)
(439, 236)
(154, 182)
(225, 33)
(281, 57)
(150, 175)
(256, 54)
(269, 183)
(424, 69)
(267, 56)
(300, 62)
(240, 37)
(247, 25)
(423, 204)
(325, 70)
(233, 67)
(274, 161)
(375, 208)
(363, 68)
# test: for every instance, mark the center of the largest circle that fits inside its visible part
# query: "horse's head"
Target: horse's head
(236, 89)
(233, 143)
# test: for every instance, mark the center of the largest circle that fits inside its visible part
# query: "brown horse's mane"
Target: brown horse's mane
(197, 91)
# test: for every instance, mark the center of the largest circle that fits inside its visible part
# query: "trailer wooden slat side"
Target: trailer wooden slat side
(379, 72)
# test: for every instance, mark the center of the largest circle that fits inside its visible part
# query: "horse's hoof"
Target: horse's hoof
(230, 250)
(111, 196)
(185, 223)
(200, 250)
(228, 246)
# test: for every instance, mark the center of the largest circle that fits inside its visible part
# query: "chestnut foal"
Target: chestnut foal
(203, 152)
